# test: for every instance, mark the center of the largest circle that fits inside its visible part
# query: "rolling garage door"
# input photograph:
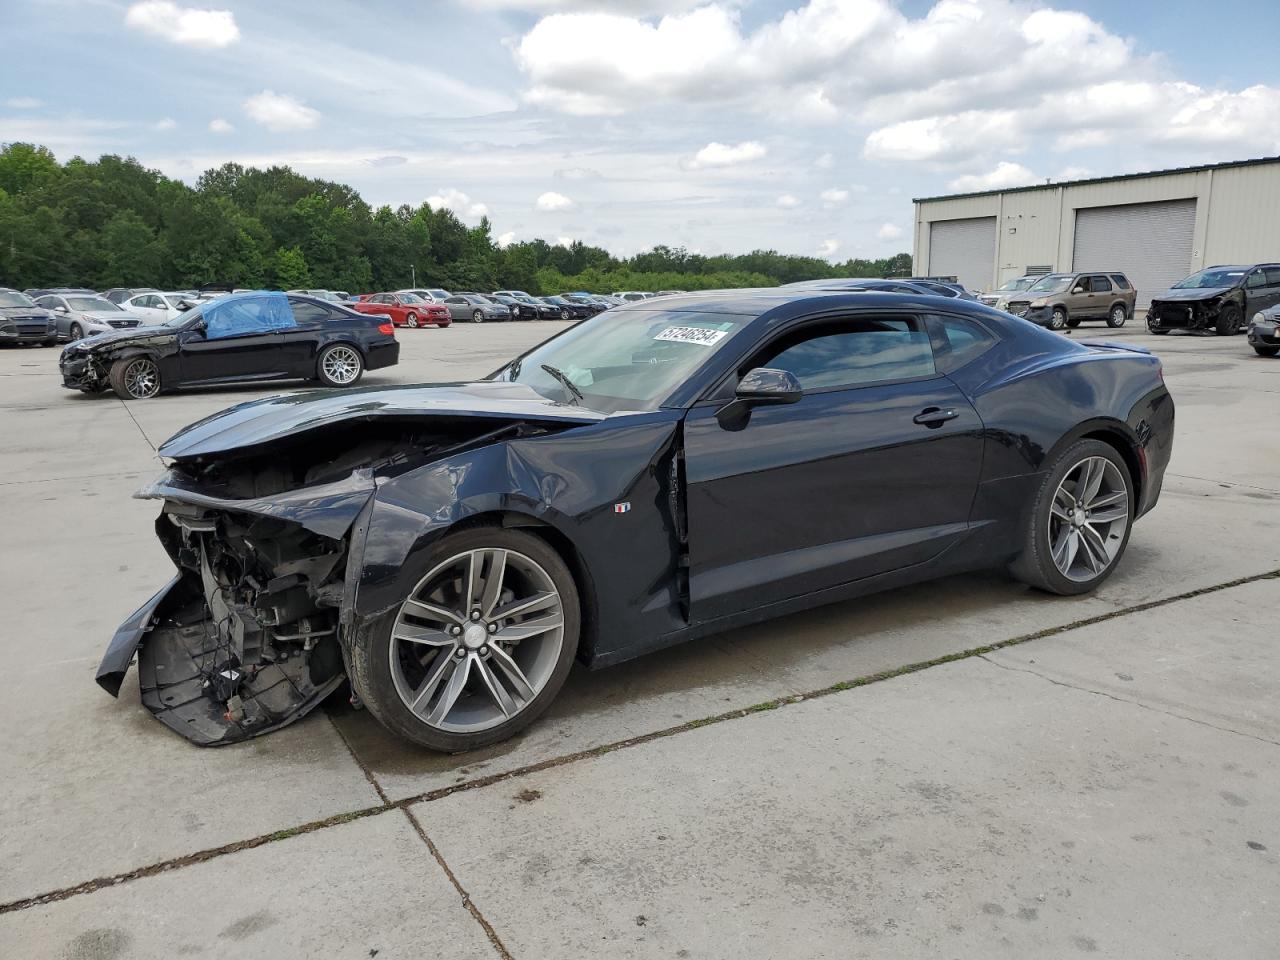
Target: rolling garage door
(965, 249)
(1149, 242)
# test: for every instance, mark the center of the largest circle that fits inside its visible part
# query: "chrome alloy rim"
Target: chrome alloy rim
(477, 640)
(341, 364)
(142, 379)
(1088, 519)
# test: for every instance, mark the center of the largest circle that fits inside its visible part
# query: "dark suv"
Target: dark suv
(1220, 298)
(1060, 300)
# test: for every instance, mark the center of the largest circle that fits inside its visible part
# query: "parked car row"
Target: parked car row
(1224, 299)
(434, 307)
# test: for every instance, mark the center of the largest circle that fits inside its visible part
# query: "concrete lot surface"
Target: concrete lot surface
(1102, 778)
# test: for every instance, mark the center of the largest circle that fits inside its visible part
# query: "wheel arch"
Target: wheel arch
(1118, 436)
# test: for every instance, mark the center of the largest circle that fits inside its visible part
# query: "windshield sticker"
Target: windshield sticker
(699, 335)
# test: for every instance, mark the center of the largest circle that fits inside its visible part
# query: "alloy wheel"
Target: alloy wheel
(142, 379)
(76, 333)
(1088, 519)
(1057, 319)
(1118, 316)
(412, 319)
(477, 640)
(341, 365)
(477, 317)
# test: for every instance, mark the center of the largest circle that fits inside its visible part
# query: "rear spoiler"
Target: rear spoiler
(1112, 345)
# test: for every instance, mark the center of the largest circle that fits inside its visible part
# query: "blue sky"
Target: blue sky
(801, 125)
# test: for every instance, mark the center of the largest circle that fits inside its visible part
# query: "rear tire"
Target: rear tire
(1228, 320)
(339, 365)
(1056, 530)
(135, 378)
(1118, 316)
(1265, 351)
(374, 676)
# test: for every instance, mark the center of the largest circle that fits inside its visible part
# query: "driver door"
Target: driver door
(246, 342)
(872, 470)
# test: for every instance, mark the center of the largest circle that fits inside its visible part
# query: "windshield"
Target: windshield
(93, 304)
(1020, 283)
(177, 302)
(439, 294)
(182, 318)
(11, 298)
(410, 298)
(1054, 283)
(525, 298)
(1213, 277)
(629, 360)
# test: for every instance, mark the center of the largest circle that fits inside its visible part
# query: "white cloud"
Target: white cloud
(889, 231)
(577, 173)
(24, 103)
(564, 241)
(219, 125)
(788, 202)
(506, 239)
(459, 203)
(553, 201)
(725, 155)
(168, 123)
(1073, 173)
(635, 7)
(279, 111)
(834, 197)
(185, 25)
(825, 161)
(1005, 174)
(828, 248)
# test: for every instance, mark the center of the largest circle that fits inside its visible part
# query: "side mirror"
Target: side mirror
(199, 326)
(761, 387)
(1078, 288)
(61, 309)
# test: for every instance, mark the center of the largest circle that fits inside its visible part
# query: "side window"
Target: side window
(854, 353)
(1273, 276)
(378, 298)
(1120, 281)
(247, 315)
(1101, 284)
(307, 314)
(455, 300)
(956, 341)
(1080, 284)
(1256, 279)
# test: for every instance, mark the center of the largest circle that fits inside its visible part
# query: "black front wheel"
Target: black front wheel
(1228, 320)
(1078, 525)
(1263, 350)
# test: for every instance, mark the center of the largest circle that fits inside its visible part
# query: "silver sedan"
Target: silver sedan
(477, 309)
(81, 315)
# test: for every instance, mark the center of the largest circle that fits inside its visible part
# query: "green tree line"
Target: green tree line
(112, 222)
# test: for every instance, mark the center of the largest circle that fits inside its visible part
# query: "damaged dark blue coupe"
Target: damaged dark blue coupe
(662, 471)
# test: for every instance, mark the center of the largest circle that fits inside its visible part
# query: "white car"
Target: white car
(156, 307)
(430, 294)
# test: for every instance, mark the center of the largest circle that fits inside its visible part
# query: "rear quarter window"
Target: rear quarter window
(958, 341)
(1120, 281)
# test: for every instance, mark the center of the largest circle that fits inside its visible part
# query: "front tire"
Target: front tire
(1228, 320)
(479, 648)
(412, 320)
(1265, 351)
(1117, 316)
(1079, 522)
(135, 378)
(477, 316)
(77, 333)
(339, 365)
(1057, 319)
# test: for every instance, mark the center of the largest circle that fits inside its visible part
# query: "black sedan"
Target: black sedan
(663, 471)
(240, 337)
(1221, 299)
(571, 309)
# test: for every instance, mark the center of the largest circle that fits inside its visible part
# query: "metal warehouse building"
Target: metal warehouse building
(1156, 227)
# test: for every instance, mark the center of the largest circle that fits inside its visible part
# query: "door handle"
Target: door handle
(932, 417)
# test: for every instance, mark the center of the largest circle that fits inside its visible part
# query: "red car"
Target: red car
(405, 309)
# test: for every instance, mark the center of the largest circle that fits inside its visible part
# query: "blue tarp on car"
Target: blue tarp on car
(240, 314)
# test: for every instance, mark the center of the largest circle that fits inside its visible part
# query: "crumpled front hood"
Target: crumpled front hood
(262, 421)
(1192, 293)
(115, 338)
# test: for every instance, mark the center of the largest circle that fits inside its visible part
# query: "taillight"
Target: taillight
(388, 328)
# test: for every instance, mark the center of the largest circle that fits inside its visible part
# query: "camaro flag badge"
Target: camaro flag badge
(622, 507)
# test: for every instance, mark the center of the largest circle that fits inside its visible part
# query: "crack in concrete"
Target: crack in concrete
(385, 805)
(1119, 699)
(138, 425)
(87, 476)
